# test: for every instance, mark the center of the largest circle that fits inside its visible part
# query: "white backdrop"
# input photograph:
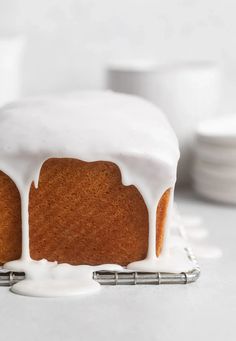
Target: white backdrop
(70, 41)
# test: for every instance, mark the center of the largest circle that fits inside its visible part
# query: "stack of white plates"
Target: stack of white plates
(214, 171)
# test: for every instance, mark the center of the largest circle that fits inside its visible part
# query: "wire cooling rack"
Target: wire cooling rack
(8, 278)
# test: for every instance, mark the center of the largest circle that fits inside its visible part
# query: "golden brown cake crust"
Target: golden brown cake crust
(161, 220)
(10, 220)
(80, 214)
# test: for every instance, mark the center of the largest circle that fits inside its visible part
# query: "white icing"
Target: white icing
(175, 261)
(191, 221)
(197, 233)
(90, 126)
(180, 227)
(49, 279)
(207, 251)
(194, 227)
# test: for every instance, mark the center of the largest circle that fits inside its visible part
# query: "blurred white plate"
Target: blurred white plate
(220, 130)
(214, 172)
(215, 154)
(218, 193)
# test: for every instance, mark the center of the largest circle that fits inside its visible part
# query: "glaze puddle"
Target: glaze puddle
(50, 279)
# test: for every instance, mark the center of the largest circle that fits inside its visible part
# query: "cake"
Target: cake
(86, 179)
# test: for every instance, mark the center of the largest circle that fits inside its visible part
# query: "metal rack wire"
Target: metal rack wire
(8, 278)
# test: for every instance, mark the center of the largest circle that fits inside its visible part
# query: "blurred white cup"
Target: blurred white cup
(187, 92)
(11, 51)
(133, 77)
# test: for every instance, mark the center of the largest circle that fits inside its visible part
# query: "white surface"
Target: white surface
(201, 311)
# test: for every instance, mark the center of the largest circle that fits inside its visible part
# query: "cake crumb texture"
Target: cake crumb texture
(80, 214)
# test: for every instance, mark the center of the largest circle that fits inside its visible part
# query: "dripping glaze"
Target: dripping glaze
(90, 126)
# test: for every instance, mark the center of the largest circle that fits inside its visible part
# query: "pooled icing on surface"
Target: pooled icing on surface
(49, 279)
(90, 126)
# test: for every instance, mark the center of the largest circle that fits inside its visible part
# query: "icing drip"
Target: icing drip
(90, 126)
(191, 228)
(173, 256)
(24, 195)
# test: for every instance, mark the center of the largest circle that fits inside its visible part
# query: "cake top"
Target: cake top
(90, 126)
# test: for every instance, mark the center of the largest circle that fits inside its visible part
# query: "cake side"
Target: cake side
(80, 214)
(10, 220)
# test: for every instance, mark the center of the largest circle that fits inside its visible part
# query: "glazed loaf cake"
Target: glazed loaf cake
(95, 171)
